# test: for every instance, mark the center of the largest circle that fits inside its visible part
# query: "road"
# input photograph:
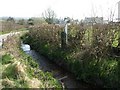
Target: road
(3, 37)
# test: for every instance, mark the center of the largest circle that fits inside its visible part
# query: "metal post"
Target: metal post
(67, 20)
(66, 32)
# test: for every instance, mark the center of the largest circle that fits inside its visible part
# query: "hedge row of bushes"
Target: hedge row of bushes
(88, 54)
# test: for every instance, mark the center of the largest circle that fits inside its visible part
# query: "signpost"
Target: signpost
(64, 34)
(67, 20)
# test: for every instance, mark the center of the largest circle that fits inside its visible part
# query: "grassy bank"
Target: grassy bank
(20, 70)
(89, 54)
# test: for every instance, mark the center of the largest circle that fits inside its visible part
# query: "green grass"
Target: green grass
(19, 72)
(5, 32)
(0, 33)
(16, 77)
(6, 59)
(10, 72)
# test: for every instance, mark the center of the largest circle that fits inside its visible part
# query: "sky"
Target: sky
(77, 9)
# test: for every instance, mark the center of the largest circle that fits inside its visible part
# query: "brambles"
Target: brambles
(88, 53)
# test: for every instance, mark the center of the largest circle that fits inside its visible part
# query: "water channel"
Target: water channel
(68, 80)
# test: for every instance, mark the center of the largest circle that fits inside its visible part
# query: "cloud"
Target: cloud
(71, 8)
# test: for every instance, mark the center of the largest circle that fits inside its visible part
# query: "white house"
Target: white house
(119, 11)
(93, 20)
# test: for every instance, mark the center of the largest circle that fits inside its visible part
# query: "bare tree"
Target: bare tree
(49, 16)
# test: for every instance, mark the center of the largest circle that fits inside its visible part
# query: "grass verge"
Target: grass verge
(20, 70)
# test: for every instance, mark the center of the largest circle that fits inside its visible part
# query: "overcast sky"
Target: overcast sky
(77, 9)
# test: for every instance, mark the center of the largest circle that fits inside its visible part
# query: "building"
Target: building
(119, 11)
(93, 20)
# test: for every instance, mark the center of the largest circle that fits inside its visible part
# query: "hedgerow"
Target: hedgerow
(90, 53)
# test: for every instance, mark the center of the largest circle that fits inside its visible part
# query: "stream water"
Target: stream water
(66, 78)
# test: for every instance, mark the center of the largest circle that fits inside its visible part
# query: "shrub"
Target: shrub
(87, 54)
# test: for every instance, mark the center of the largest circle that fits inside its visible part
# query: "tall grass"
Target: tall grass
(19, 70)
(8, 26)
